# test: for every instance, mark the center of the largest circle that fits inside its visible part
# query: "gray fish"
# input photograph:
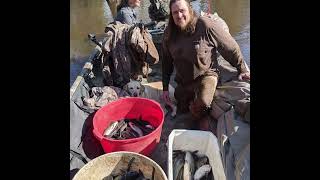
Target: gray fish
(132, 133)
(202, 161)
(180, 174)
(126, 135)
(123, 127)
(130, 175)
(146, 128)
(176, 153)
(107, 132)
(202, 171)
(136, 129)
(188, 166)
(150, 127)
(178, 163)
(122, 131)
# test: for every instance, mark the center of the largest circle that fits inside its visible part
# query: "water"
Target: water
(91, 16)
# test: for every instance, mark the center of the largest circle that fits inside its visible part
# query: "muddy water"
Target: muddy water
(91, 16)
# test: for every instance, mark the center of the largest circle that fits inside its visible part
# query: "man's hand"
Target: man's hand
(244, 76)
(166, 98)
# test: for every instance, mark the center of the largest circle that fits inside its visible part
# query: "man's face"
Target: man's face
(180, 13)
(134, 3)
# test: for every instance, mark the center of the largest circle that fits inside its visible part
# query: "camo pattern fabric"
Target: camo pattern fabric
(125, 48)
(145, 49)
(158, 10)
(103, 95)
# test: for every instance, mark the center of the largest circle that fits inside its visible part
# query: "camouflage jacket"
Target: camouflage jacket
(159, 10)
(102, 96)
(128, 49)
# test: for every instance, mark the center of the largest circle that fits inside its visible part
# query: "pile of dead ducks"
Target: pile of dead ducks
(128, 128)
(129, 174)
(191, 166)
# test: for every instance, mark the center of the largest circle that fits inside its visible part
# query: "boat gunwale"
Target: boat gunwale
(85, 70)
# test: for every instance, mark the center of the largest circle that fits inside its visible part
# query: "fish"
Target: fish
(133, 134)
(122, 130)
(119, 130)
(126, 135)
(188, 166)
(141, 176)
(142, 122)
(202, 171)
(130, 175)
(128, 128)
(136, 129)
(210, 176)
(180, 174)
(149, 126)
(144, 126)
(107, 132)
(176, 153)
(178, 163)
(127, 174)
(201, 161)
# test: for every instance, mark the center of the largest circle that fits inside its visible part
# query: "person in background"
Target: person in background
(126, 13)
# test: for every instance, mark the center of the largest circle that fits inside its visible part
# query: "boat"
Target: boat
(83, 145)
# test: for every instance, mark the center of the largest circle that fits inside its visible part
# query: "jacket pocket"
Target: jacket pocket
(203, 52)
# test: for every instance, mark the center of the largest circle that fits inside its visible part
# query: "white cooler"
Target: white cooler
(203, 141)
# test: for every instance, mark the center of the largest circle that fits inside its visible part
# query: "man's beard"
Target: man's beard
(189, 28)
(183, 28)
